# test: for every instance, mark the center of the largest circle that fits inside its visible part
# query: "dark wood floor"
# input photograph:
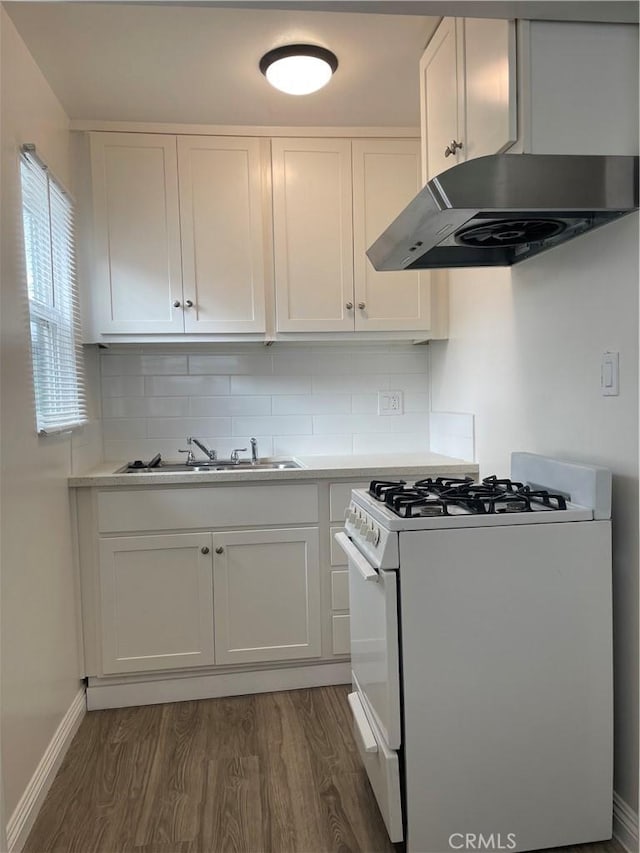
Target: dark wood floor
(274, 772)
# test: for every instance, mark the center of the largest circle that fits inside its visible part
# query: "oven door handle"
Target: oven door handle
(367, 737)
(361, 564)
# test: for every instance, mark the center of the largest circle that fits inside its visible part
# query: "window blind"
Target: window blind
(58, 376)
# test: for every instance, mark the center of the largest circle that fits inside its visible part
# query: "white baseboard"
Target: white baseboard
(124, 694)
(625, 824)
(21, 821)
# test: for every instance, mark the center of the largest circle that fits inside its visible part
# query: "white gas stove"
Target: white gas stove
(481, 655)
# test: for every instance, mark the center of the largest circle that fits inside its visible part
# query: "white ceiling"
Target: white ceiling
(198, 64)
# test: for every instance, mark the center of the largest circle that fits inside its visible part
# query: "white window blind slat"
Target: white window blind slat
(58, 373)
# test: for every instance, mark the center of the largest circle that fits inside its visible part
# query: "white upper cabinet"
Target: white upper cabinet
(137, 273)
(179, 235)
(468, 92)
(313, 237)
(222, 222)
(386, 176)
(331, 200)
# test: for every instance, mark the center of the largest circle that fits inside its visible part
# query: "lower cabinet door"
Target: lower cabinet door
(266, 587)
(156, 602)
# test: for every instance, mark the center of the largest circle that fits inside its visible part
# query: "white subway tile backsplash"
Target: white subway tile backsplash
(228, 406)
(350, 424)
(415, 401)
(312, 404)
(122, 386)
(279, 425)
(202, 428)
(185, 386)
(391, 443)
(312, 445)
(364, 404)
(294, 398)
(350, 383)
(124, 428)
(140, 407)
(231, 364)
(271, 385)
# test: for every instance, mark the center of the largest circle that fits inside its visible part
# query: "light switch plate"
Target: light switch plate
(390, 403)
(610, 374)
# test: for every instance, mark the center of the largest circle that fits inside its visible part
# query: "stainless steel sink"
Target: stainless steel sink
(266, 463)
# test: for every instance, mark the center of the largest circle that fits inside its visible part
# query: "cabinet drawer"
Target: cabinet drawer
(341, 643)
(340, 590)
(338, 557)
(339, 497)
(206, 507)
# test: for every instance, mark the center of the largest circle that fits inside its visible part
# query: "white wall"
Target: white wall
(295, 398)
(524, 357)
(41, 661)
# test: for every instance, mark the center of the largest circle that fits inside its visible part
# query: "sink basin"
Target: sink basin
(266, 463)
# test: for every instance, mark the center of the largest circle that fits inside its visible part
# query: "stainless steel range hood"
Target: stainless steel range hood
(497, 211)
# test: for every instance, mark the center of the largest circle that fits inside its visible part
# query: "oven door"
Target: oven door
(373, 606)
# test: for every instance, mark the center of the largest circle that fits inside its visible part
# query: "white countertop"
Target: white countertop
(365, 467)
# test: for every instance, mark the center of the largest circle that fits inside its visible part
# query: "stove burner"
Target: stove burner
(447, 495)
(378, 488)
(510, 232)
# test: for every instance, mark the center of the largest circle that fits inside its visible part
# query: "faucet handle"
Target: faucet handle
(234, 453)
(190, 457)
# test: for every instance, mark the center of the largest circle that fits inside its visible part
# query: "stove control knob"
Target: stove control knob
(347, 514)
(376, 536)
(370, 533)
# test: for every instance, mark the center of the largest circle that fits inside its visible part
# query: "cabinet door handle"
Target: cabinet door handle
(204, 550)
(176, 303)
(349, 306)
(452, 147)
(219, 549)
(189, 303)
(362, 305)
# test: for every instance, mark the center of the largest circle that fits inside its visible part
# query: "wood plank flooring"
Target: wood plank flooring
(268, 773)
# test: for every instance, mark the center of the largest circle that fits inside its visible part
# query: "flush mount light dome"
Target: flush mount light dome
(299, 69)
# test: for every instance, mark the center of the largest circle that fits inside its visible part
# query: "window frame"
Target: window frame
(47, 215)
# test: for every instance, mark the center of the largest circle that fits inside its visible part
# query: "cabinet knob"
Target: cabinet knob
(219, 549)
(176, 303)
(362, 305)
(349, 306)
(204, 550)
(452, 147)
(188, 303)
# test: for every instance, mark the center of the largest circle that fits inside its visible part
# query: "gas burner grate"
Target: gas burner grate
(379, 488)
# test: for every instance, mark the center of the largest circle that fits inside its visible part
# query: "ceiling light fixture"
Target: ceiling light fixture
(299, 69)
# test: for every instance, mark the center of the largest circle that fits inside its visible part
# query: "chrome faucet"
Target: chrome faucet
(254, 450)
(234, 454)
(210, 454)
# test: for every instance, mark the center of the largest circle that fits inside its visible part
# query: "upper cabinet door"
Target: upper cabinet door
(223, 235)
(490, 114)
(386, 176)
(441, 88)
(138, 274)
(313, 234)
(468, 92)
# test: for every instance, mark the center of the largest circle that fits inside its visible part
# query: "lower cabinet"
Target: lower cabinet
(156, 602)
(164, 598)
(266, 595)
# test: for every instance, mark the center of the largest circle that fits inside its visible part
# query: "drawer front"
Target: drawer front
(338, 557)
(340, 590)
(214, 507)
(381, 764)
(340, 639)
(339, 497)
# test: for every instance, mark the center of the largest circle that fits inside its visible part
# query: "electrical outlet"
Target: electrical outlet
(390, 403)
